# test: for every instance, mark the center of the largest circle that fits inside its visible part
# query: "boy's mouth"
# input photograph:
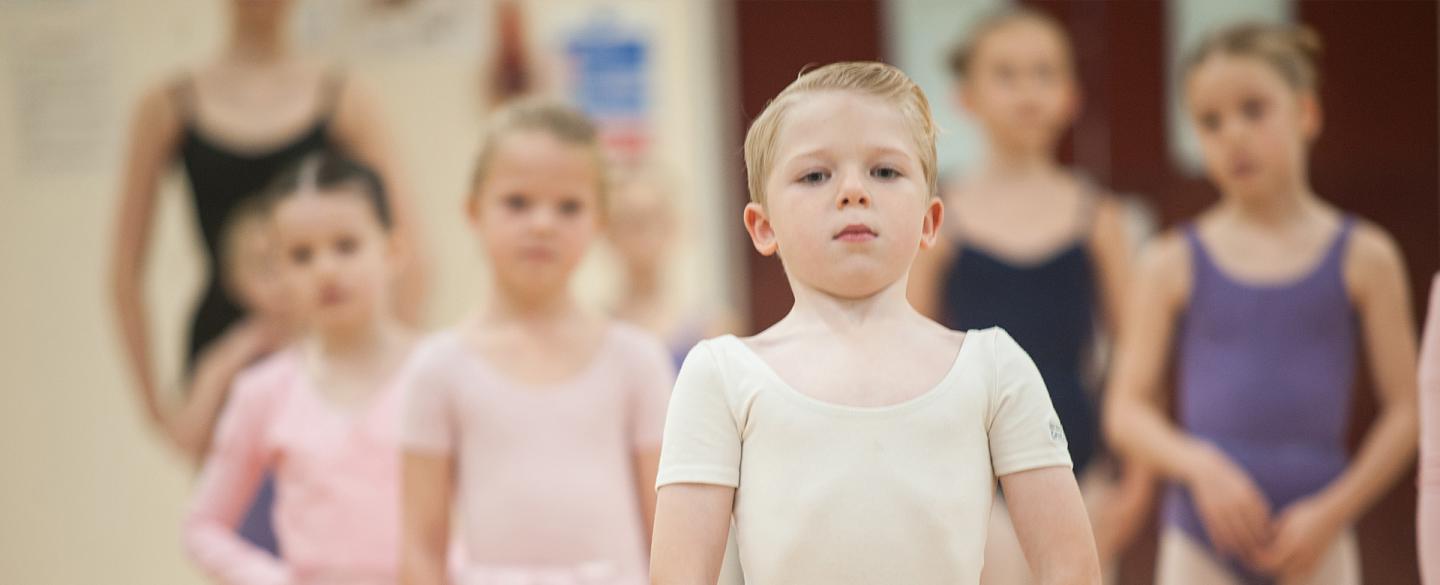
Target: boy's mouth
(855, 232)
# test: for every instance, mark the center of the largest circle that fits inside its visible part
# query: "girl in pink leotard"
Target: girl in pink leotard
(537, 421)
(323, 415)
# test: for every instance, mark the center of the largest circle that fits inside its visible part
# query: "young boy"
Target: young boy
(857, 441)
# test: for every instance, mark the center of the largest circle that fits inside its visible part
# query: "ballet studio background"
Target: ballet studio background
(89, 495)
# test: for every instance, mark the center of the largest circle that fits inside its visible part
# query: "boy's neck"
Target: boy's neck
(817, 309)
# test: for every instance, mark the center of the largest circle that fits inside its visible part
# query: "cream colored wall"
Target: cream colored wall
(88, 495)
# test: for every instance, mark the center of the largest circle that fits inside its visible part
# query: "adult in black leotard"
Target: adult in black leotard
(220, 177)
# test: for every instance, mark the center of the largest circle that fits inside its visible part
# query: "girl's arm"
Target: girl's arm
(1124, 510)
(692, 523)
(428, 480)
(1234, 511)
(226, 487)
(1052, 526)
(359, 127)
(192, 426)
(647, 464)
(154, 134)
(1375, 275)
(1429, 508)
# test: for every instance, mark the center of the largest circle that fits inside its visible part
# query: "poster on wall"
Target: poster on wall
(61, 89)
(393, 27)
(608, 70)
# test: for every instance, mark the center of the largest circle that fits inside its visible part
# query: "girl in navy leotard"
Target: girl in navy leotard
(1262, 303)
(1037, 251)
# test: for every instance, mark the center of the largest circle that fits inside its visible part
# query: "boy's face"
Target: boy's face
(847, 205)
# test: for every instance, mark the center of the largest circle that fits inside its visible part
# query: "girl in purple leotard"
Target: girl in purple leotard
(1265, 300)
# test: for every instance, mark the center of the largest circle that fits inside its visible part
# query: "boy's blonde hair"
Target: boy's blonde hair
(1291, 50)
(864, 77)
(565, 123)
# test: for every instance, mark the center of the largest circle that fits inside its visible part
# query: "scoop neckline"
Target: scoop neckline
(939, 389)
(593, 364)
(1311, 271)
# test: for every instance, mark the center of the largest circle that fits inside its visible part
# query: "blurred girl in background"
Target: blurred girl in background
(1265, 299)
(325, 414)
(539, 420)
(1037, 250)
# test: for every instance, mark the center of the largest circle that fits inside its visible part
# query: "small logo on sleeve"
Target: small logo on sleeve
(1057, 433)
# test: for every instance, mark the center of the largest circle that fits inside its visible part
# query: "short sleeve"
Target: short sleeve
(651, 377)
(428, 424)
(1025, 433)
(702, 440)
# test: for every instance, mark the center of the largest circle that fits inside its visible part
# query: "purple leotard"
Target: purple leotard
(1265, 375)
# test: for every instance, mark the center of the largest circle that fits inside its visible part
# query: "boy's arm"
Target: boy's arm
(1052, 525)
(692, 523)
(426, 518)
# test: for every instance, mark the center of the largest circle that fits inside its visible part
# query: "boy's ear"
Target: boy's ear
(762, 234)
(934, 216)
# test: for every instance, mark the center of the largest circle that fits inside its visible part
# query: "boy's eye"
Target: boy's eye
(885, 173)
(570, 207)
(814, 177)
(347, 245)
(300, 255)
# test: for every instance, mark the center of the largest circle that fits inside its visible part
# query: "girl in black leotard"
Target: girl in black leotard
(233, 124)
(1034, 250)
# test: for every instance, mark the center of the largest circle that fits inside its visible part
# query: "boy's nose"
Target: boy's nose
(852, 192)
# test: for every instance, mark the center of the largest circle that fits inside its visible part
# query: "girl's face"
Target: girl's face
(1254, 127)
(253, 272)
(536, 211)
(641, 225)
(336, 257)
(1020, 86)
(847, 204)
